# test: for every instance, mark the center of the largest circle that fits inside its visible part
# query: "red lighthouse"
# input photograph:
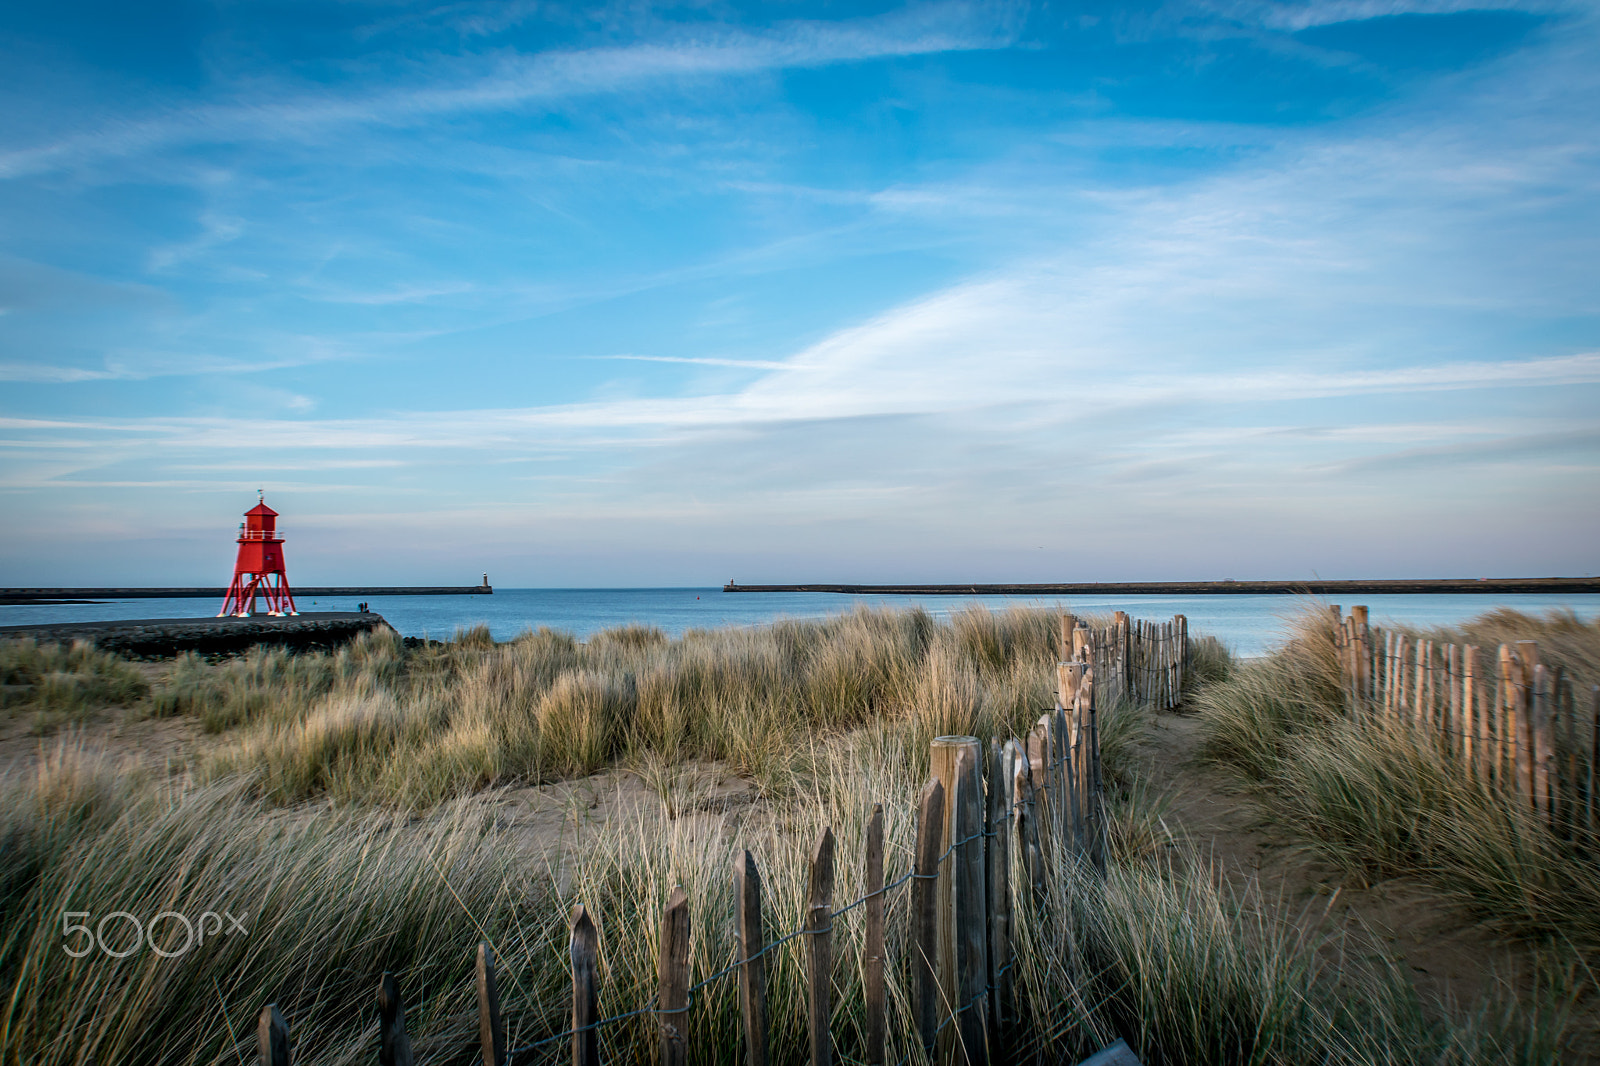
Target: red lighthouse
(260, 561)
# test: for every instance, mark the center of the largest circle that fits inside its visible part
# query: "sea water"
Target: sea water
(1250, 625)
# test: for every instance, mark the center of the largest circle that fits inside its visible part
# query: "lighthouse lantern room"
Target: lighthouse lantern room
(259, 569)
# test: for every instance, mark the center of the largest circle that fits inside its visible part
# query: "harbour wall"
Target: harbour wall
(166, 637)
(1191, 588)
(88, 595)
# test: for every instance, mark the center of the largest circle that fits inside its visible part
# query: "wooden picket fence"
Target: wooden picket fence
(1142, 661)
(1506, 716)
(1021, 809)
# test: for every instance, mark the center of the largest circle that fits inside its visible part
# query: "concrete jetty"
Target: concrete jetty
(90, 595)
(165, 637)
(1483, 586)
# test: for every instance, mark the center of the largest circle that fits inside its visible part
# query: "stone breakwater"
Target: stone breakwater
(1422, 586)
(160, 638)
(90, 595)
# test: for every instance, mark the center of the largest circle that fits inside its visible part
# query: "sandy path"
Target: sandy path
(1450, 958)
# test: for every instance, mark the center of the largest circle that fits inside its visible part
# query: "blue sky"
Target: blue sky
(658, 295)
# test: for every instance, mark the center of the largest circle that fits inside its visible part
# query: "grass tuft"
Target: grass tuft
(65, 682)
(1383, 798)
(1160, 952)
(411, 728)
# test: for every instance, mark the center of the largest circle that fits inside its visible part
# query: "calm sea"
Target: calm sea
(1249, 625)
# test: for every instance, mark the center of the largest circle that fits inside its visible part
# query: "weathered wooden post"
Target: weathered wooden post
(1567, 769)
(1124, 657)
(1438, 694)
(672, 980)
(945, 765)
(1069, 813)
(1543, 745)
(1366, 660)
(1176, 652)
(1424, 682)
(1341, 645)
(1147, 657)
(925, 910)
(819, 960)
(1097, 843)
(1136, 659)
(491, 1032)
(584, 948)
(272, 1037)
(1520, 725)
(1352, 666)
(1492, 702)
(1567, 709)
(1024, 825)
(1068, 722)
(1071, 679)
(1513, 716)
(1397, 667)
(997, 857)
(872, 950)
(1471, 721)
(1453, 685)
(972, 908)
(1082, 643)
(752, 972)
(1528, 733)
(1181, 621)
(1401, 663)
(1385, 677)
(1363, 636)
(394, 1047)
(1040, 753)
(1414, 649)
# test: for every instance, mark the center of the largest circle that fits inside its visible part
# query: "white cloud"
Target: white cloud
(742, 364)
(502, 81)
(1402, 300)
(46, 374)
(215, 230)
(404, 294)
(1307, 13)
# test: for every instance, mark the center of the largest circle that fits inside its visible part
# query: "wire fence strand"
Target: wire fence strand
(773, 946)
(733, 966)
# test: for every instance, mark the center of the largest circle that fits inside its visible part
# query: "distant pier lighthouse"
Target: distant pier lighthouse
(259, 569)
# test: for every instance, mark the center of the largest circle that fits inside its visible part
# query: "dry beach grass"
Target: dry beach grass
(355, 807)
(1383, 799)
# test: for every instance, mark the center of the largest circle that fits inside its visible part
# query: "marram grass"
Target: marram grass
(1383, 798)
(1159, 952)
(352, 823)
(62, 683)
(373, 722)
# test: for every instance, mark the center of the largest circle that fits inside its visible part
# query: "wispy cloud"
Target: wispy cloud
(742, 364)
(508, 81)
(936, 297)
(1067, 398)
(1303, 14)
(275, 464)
(216, 230)
(45, 374)
(1565, 446)
(405, 294)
